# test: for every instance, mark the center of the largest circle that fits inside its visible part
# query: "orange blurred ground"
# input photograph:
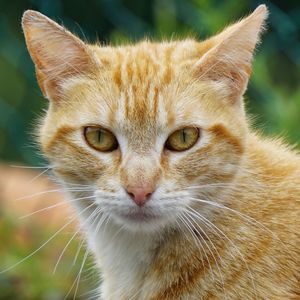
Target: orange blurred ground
(16, 183)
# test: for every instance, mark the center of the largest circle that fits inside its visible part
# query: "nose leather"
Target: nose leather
(140, 195)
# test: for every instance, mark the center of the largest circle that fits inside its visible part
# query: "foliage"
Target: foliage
(34, 279)
(41, 253)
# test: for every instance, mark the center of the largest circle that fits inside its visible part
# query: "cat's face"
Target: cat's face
(148, 128)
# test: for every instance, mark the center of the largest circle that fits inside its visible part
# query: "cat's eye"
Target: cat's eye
(100, 139)
(182, 139)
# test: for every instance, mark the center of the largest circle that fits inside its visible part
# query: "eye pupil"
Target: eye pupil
(100, 136)
(183, 136)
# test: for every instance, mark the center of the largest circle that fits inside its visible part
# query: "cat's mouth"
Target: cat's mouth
(140, 216)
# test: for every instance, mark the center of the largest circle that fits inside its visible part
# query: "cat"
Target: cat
(181, 198)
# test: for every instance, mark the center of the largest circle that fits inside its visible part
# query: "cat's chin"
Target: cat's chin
(139, 217)
(140, 220)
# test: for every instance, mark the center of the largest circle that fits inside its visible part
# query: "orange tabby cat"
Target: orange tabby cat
(182, 199)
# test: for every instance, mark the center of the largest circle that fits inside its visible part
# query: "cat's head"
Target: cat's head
(150, 127)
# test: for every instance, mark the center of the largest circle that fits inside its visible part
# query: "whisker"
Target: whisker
(223, 184)
(38, 176)
(55, 205)
(73, 236)
(78, 251)
(242, 215)
(83, 240)
(52, 191)
(64, 182)
(221, 234)
(207, 246)
(45, 243)
(118, 232)
(200, 244)
(77, 279)
(30, 167)
(209, 249)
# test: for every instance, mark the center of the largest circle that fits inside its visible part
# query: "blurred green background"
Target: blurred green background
(274, 90)
(273, 95)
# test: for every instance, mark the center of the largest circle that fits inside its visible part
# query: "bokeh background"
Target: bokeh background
(273, 97)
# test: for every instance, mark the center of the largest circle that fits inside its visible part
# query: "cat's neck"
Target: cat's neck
(269, 164)
(124, 258)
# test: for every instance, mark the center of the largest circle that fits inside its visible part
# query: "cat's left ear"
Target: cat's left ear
(230, 56)
(57, 53)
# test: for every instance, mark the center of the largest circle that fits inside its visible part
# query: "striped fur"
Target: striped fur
(224, 219)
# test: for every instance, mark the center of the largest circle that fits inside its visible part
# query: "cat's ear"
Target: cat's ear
(57, 53)
(230, 55)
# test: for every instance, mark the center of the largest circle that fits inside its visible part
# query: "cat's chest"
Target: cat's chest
(124, 260)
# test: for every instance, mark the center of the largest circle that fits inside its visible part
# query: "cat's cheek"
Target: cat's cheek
(84, 165)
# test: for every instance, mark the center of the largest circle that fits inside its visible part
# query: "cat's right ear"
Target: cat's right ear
(229, 56)
(57, 53)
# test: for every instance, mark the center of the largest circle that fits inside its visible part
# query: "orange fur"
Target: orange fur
(230, 229)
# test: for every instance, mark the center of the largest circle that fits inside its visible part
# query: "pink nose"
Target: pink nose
(140, 195)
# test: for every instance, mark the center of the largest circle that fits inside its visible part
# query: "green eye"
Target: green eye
(100, 139)
(182, 139)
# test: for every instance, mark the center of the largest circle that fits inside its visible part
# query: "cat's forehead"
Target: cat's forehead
(145, 83)
(146, 63)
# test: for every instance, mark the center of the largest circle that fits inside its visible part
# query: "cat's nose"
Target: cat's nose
(140, 195)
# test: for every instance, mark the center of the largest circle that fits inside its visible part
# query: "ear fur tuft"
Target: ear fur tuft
(56, 52)
(230, 57)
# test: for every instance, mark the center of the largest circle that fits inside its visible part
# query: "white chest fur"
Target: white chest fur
(123, 258)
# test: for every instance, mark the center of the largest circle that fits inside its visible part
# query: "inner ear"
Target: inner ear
(230, 57)
(57, 53)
